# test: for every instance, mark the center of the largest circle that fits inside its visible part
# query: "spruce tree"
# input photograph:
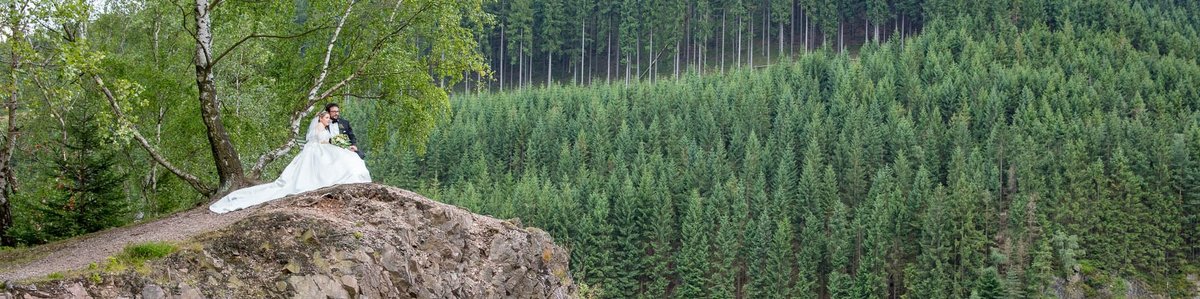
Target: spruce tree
(841, 247)
(659, 210)
(89, 197)
(808, 262)
(781, 261)
(596, 243)
(1187, 185)
(758, 241)
(988, 286)
(693, 257)
(628, 232)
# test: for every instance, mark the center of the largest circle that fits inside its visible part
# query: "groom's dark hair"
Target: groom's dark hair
(330, 105)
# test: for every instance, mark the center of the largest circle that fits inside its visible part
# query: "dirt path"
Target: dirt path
(95, 248)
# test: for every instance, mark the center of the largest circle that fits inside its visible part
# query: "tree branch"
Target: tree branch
(248, 37)
(189, 178)
(256, 171)
(313, 97)
(213, 5)
(184, 21)
(358, 96)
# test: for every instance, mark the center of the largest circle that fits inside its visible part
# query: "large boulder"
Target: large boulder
(348, 241)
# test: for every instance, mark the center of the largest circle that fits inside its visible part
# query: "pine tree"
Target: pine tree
(841, 247)
(1133, 229)
(812, 252)
(1041, 269)
(810, 199)
(630, 34)
(730, 239)
(929, 276)
(553, 23)
(758, 243)
(627, 236)
(596, 243)
(874, 221)
(519, 28)
(781, 260)
(660, 211)
(405, 169)
(988, 286)
(785, 192)
(693, 256)
(89, 195)
(1186, 181)
(878, 13)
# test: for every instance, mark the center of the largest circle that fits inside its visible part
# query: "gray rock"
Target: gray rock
(76, 291)
(151, 291)
(188, 292)
(352, 241)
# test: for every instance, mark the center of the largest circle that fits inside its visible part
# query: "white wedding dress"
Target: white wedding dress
(319, 164)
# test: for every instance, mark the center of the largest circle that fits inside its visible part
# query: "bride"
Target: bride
(318, 165)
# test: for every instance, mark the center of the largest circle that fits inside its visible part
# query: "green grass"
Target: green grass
(137, 254)
(148, 251)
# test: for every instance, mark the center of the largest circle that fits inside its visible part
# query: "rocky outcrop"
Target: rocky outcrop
(350, 241)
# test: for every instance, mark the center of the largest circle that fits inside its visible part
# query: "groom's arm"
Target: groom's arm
(350, 133)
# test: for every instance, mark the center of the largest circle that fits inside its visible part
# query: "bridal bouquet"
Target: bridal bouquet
(341, 140)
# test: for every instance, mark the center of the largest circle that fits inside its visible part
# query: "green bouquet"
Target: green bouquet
(341, 140)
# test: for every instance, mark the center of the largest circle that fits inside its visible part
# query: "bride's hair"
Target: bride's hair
(315, 128)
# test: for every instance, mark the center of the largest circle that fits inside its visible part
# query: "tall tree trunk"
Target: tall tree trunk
(638, 49)
(529, 60)
(629, 66)
(688, 40)
(739, 43)
(10, 140)
(792, 30)
(229, 165)
(521, 64)
(806, 31)
(750, 41)
(841, 37)
(502, 61)
(781, 40)
(549, 68)
(866, 28)
(767, 31)
(723, 41)
(608, 63)
(582, 49)
(677, 53)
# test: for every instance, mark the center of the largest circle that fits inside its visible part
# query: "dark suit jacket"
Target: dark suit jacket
(344, 128)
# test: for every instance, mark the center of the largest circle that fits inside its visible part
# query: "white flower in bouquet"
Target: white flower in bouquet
(341, 140)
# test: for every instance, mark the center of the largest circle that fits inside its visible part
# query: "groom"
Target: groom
(342, 126)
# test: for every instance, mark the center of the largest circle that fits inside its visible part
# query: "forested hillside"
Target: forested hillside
(729, 149)
(957, 163)
(580, 41)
